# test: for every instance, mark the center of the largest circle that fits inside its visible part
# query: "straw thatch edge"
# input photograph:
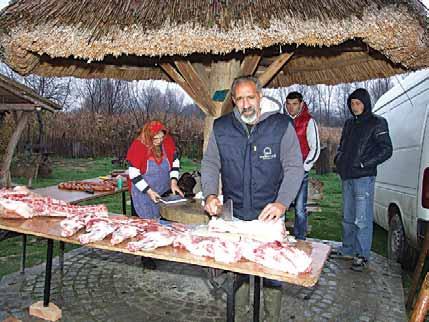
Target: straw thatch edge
(392, 30)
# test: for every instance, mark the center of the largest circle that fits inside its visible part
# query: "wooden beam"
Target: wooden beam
(248, 67)
(175, 76)
(196, 83)
(250, 64)
(331, 64)
(418, 270)
(422, 303)
(274, 68)
(202, 72)
(17, 107)
(5, 169)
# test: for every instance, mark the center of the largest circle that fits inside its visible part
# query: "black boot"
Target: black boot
(148, 263)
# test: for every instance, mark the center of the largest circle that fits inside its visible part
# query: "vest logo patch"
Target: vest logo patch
(268, 154)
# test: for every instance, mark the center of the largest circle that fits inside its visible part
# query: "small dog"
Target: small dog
(187, 182)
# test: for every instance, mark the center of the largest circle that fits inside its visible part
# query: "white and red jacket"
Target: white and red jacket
(308, 136)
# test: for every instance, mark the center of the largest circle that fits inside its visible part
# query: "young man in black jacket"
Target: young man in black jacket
(365, 143)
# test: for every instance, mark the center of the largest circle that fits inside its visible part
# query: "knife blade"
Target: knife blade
(227, 210)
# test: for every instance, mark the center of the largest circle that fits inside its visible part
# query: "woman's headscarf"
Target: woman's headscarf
(147, 133)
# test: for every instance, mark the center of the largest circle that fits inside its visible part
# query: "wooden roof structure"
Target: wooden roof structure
(204, 44)
(333, 41)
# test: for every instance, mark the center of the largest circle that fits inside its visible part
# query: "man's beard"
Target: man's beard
(250, 119)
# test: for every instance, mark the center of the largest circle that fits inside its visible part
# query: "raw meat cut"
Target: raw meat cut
(266, 231)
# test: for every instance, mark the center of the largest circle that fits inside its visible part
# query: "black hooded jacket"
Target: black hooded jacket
(365, 141)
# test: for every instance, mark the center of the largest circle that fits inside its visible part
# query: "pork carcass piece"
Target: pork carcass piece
(71, 226)
(15, 209)
(152, 240)
(199, 246)
(227, 251)
(98, 231)
(266, 231)
(224, 251)
(277, 256)
(46, 206)
(124, 232)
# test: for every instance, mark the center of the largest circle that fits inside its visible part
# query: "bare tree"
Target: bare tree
(344, 90)
(378, 87)
(104, 96)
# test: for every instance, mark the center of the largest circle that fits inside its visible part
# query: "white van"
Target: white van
(402, 185)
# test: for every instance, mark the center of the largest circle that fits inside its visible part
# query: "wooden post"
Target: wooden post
(5, 169)
(221, 76)
(419, 268)
(422, 304)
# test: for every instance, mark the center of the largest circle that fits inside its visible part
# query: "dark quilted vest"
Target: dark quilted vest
(250, 165)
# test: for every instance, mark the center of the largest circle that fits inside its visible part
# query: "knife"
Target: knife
(227, 210)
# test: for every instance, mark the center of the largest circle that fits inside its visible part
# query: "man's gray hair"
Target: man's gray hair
(245, 79)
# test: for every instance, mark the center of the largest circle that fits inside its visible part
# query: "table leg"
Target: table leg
(124, 203)
(256, 298)
(233, 282)
(61, 257)
(24, 253)
(230, 297)
(48, 273)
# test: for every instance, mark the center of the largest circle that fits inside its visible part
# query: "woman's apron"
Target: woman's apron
(158, 179)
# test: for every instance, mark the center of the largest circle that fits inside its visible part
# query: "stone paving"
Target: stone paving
(111, 287)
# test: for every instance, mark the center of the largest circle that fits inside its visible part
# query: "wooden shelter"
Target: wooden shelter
(204, 44)
(21, 101)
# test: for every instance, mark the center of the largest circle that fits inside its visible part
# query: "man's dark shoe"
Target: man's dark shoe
(359, 264)
(148, 263)
(338, 254)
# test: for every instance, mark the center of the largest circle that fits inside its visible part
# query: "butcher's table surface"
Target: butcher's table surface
(74, 196)
(49, 227)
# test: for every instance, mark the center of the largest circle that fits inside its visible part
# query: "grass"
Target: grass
(325, 225)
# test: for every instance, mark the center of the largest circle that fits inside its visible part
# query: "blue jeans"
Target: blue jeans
(300, 225)
(358, 214)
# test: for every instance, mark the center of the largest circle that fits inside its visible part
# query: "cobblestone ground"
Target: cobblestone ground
(104, 286)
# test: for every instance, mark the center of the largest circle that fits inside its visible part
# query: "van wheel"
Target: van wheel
(396, 240)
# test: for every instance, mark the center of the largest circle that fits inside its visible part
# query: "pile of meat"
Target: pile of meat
(228, 242)
(149, 234)
(21, 203)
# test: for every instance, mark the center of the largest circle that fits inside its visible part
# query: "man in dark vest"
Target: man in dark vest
(259, 160)
(308, 136)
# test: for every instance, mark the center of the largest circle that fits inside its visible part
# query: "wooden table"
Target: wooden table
(49, 228)
(74, 197)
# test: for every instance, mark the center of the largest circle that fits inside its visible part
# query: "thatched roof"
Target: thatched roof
(127, 39)
(18, 97)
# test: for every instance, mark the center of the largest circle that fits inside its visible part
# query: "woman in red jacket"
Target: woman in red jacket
(153, 168)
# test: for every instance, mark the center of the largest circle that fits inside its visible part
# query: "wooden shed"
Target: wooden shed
(21, 101)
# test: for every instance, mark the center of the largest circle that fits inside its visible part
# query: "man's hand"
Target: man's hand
(153, 195)
(213, 205)
(175, 188)
(272, 211)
